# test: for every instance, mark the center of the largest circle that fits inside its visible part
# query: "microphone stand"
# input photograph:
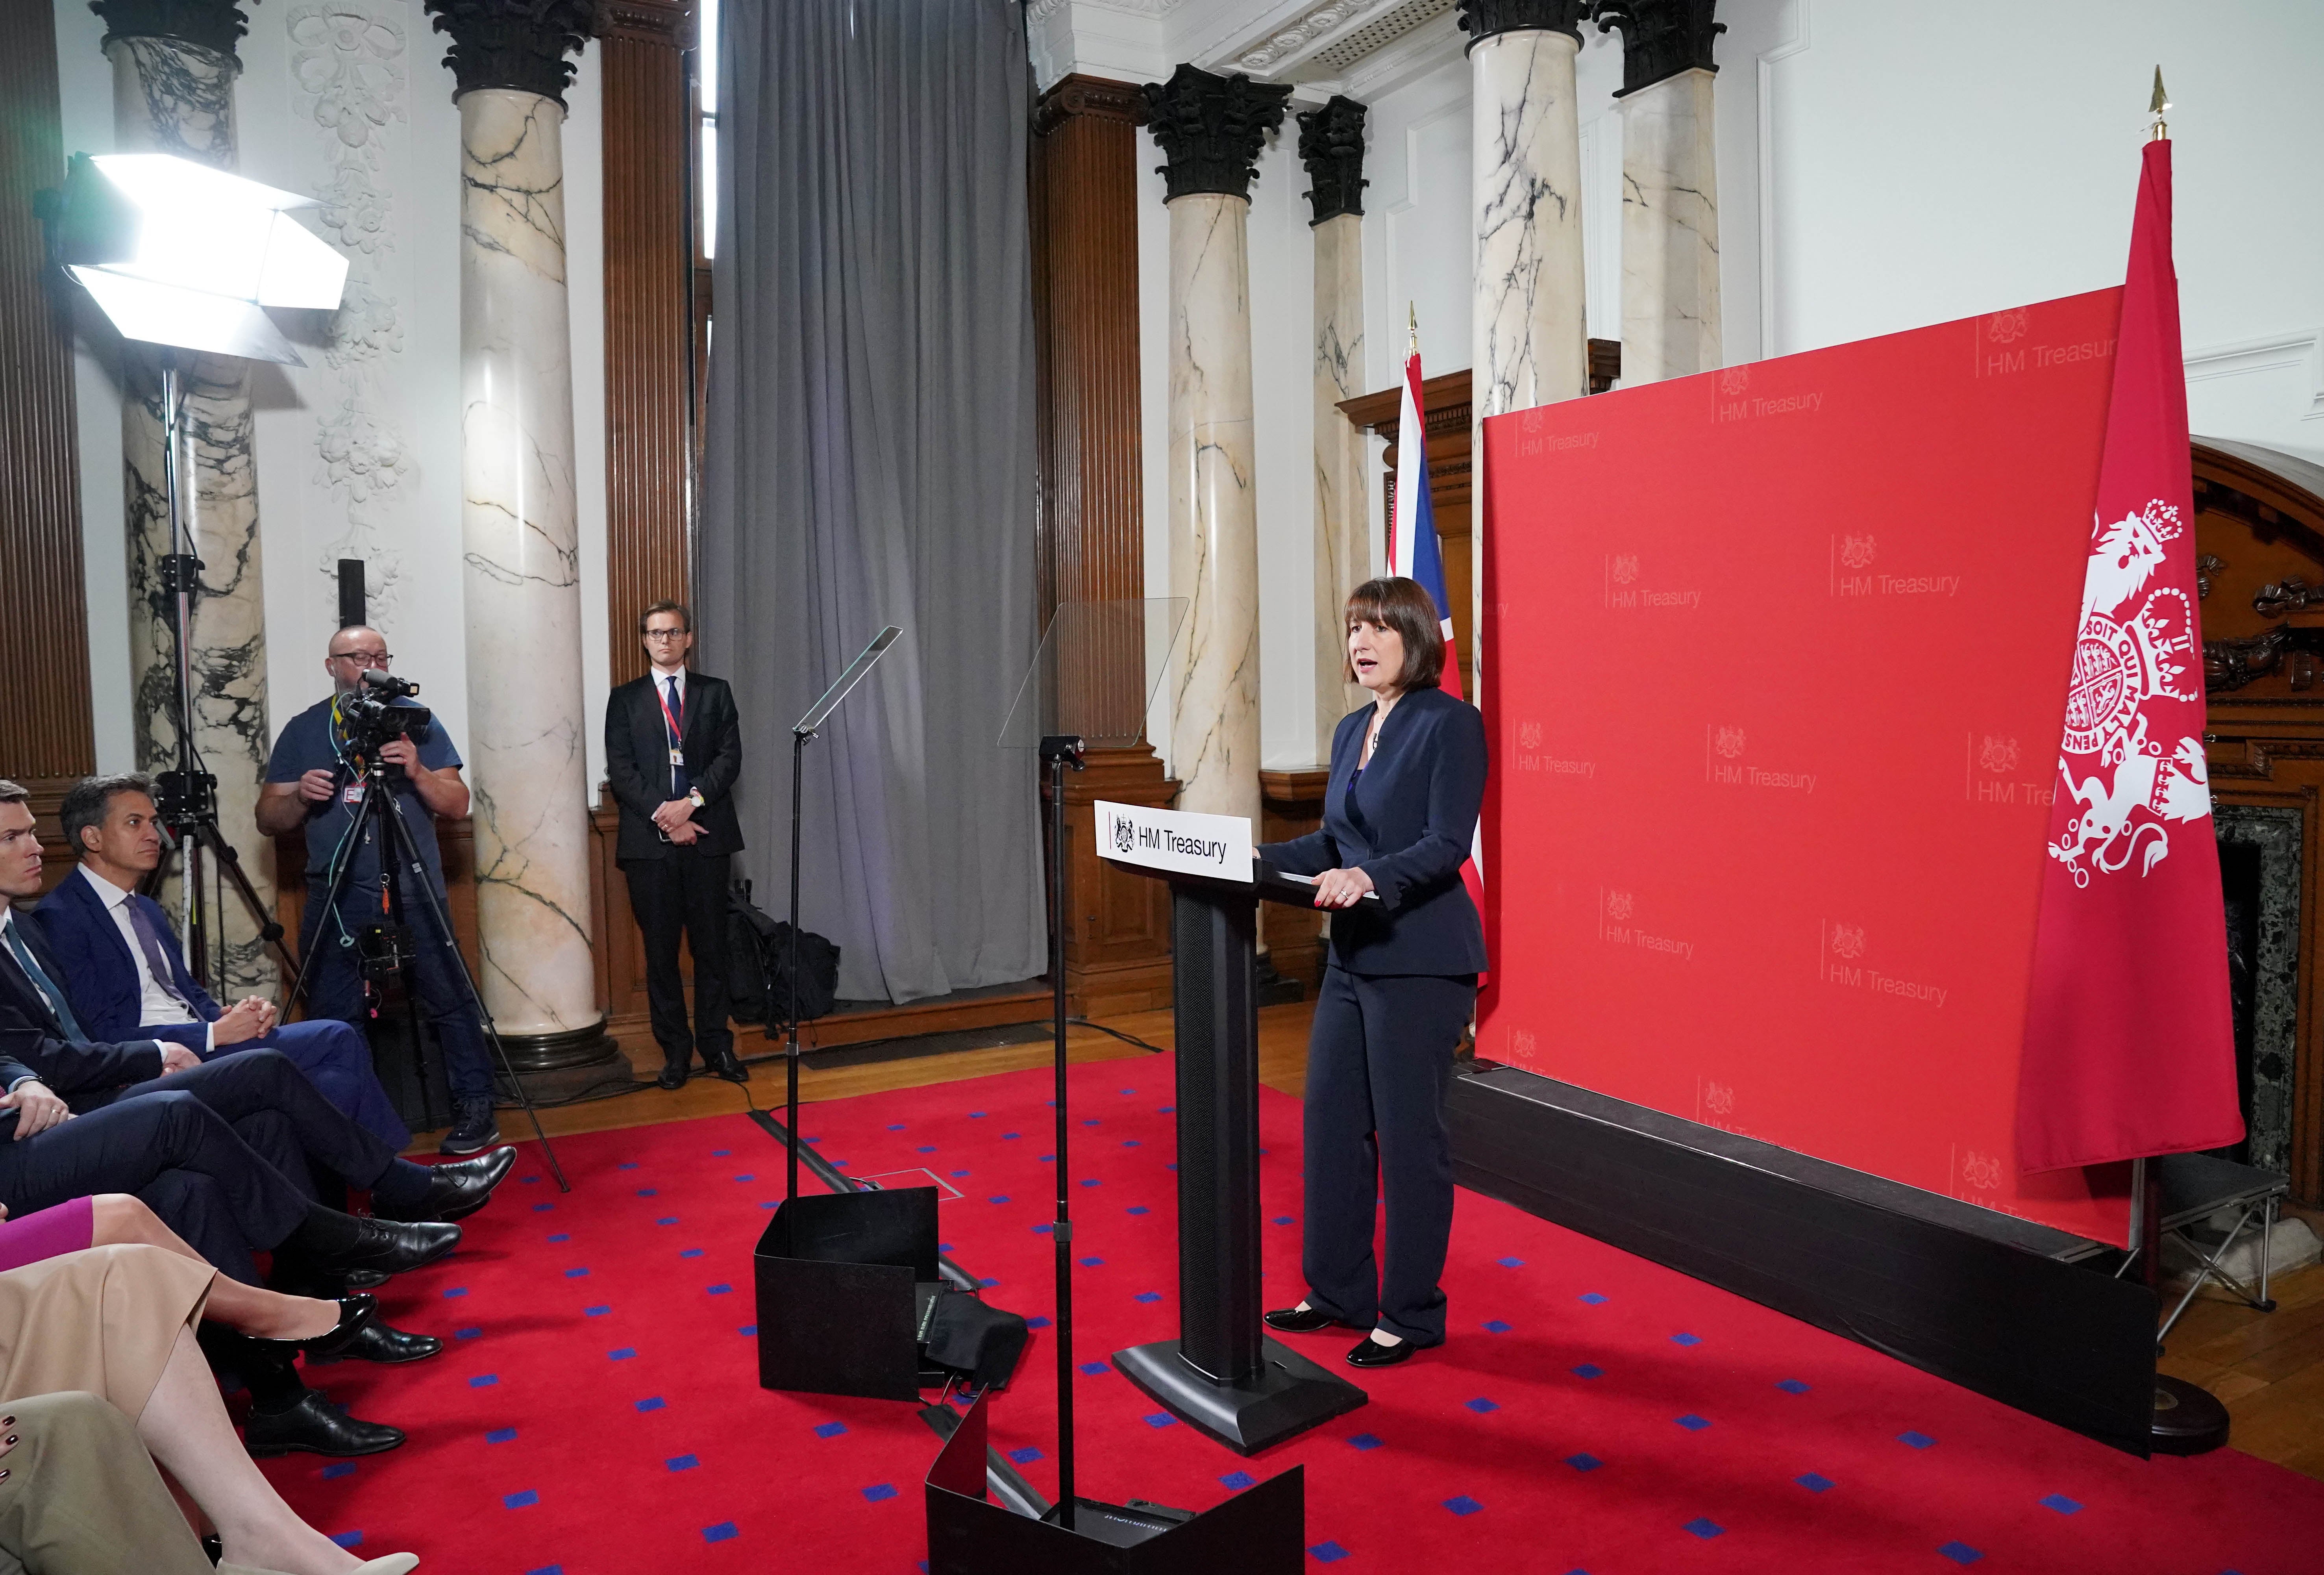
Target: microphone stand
(1061, 753)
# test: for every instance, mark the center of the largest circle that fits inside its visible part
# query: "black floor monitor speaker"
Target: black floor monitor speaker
(1260, 1531)
(837, 1278)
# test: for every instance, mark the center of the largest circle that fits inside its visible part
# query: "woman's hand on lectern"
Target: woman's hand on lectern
(1342, 888)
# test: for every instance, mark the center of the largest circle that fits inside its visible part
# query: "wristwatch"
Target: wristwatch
(695, 795)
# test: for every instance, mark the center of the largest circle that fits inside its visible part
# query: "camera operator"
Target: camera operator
(316, 777)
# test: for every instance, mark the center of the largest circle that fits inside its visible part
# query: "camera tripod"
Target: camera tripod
(388, 948)
(186, 796)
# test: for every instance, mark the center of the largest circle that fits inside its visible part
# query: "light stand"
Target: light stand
(186, 800)
(1059, 754)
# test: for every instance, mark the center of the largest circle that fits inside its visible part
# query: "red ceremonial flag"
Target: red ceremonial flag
(2129, 1045)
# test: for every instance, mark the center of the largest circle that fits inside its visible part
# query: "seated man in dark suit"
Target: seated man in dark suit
(126, 979)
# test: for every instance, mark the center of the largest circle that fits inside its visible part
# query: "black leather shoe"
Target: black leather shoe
(673, 1073)
(385, 1344)
(318, 1427)
(363, 1279)
(1368, 1352)
(391, 1246)
(1303, 1320)
(356, 1315)
(725, 1065)
(454, 1191)
(474, 1128)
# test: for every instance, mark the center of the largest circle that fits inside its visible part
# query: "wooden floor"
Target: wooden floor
(2268, 1367)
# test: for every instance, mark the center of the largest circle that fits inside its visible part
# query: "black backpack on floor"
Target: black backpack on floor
(759, 983)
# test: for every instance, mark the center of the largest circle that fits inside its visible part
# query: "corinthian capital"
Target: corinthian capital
(1332, 146)
(1211, 129)
(213, 25)
(1660, 38)
(513, 43)
(1484, 18)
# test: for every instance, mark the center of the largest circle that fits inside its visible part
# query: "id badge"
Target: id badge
(677, 757)
(352, 794)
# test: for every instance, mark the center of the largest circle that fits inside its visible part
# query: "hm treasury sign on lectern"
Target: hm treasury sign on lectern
(1221, 1375)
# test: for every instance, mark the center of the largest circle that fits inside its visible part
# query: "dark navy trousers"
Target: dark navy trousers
(1379, 1059)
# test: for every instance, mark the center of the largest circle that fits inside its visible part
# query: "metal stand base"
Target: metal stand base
(1290, 1396)
(2188, 1420)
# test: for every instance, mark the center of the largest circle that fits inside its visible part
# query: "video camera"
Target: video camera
(372, 716)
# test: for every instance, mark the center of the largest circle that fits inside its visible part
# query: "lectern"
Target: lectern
(1221, 1375)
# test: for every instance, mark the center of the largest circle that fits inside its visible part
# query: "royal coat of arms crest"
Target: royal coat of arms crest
(2134, 660)
(1848, 940)
(1626, 568)
(1730, 742)
(1619, 906)
(1858, 552)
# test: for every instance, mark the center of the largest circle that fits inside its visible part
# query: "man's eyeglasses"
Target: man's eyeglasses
(364, 658)
(667, 633)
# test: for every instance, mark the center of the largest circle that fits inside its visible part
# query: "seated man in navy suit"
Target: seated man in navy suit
(127, 980)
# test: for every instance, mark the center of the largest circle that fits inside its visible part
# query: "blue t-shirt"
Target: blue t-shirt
(314, 741)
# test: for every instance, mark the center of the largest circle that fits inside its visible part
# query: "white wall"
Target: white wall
(391, 496)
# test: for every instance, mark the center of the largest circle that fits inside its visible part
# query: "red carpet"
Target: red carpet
(598, 1409)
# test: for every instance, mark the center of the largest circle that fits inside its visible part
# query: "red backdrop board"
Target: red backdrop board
(1776, 681)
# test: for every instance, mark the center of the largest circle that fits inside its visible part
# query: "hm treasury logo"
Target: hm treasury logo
(1735, 401)
(2137, 673)
(1622, 592)
(1979, 1171)
(1840, 949)
(1724, 764)
(1851, 560)
(1617, 914)
(1714, 1105)
(2005, 347)
(1989, 773)
(1531, 756)
(1125, 836)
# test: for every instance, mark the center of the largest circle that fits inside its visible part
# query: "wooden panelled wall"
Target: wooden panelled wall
(46, 737)
(651, 371)
(1083, 202)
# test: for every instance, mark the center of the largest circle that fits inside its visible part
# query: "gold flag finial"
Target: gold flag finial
(2158, 107)
(1413, 343)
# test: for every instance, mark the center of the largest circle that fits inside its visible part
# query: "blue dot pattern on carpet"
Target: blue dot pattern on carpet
(338, 1468)
(1919, 1440)
(1792, 1387)
(2062, 1504)
(1036, 1323)
(1960, 1553)
(1495, 1326)
(1327, 1552)
(653, 1402)
(1025, 1456)
(1589, 1370)
(1236, 1481)
(500, 1435)
(830, 1430)
(724, 1532)
(1481, 1405)
(1159, 1419)
(1584, 1462)
(1140, 1208)
(692, 1252)
(1692, 1423)
(1462, 1505)
(348, 1538)
(1364, 1440)
(1592, 1298)
(1683, 1338)
(1092, 1370)
(877, 1493)
(681, 1462)
(1511, 1263)
(1704, 1526)
(596, 1311)
(483, 1380)
(1814, 1483)
(524, 1500)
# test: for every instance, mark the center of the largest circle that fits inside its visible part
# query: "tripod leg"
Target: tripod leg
(229, 864)
(407, 852)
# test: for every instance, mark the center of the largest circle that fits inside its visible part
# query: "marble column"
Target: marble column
(1529, 331)
(1669, 187)
(1332, 146)
(174, 70)
(1211, 129)
(519, 533)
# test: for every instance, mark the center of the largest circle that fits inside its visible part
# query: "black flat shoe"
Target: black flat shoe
(387, 1345)
(363, 1280)
(1370, 1353)
(392, 1247)
(356, 1315)
(318, 1427)
(454, 1191)
(1303, 1320)
(725, 1065)
(672, 1075)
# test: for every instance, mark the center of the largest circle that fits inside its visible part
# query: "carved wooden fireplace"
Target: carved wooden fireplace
(2259, 532)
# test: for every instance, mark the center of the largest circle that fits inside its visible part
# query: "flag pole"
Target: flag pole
(2158, 107)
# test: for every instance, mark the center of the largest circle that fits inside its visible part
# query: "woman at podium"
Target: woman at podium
(1407, 776)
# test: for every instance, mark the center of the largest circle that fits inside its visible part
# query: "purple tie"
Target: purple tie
(149, 941)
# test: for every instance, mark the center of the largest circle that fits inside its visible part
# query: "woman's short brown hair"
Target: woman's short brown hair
(1394, 602)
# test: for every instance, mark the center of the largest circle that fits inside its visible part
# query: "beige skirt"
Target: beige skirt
(104, 1321)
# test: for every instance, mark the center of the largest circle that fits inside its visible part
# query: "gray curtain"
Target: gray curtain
(869, 460)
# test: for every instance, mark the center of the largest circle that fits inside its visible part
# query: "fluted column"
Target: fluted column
(1211, 129)
(519, 533)
(173, 72)
(1669, 187)
(1332, 146)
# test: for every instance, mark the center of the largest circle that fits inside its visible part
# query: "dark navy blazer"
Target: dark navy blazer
(1408, 825)
(99, 976)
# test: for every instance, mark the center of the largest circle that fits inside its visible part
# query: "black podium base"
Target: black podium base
(1292, 1394)
(2188, 1420)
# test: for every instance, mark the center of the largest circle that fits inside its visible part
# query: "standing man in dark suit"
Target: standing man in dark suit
(673, 749)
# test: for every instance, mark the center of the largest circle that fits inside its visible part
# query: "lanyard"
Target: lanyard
(677, 732)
